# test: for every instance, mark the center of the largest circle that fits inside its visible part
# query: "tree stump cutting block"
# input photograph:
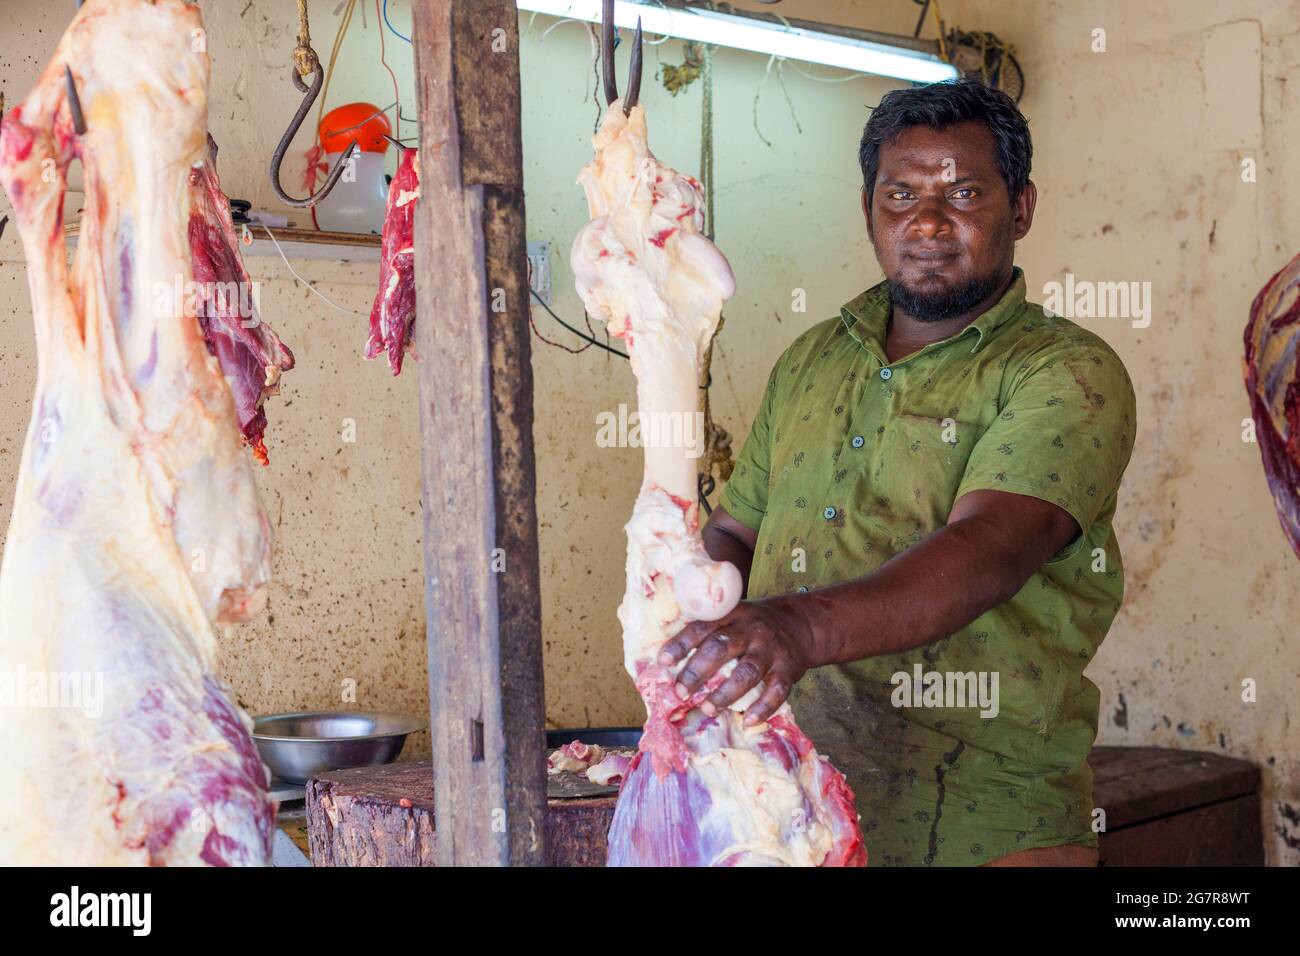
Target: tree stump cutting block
(383, 816)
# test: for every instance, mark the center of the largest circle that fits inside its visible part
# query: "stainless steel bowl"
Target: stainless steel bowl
(296, 746)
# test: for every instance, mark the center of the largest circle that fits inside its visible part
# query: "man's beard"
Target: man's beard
(946, 304)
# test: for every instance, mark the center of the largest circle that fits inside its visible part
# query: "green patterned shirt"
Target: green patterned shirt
(850, 461)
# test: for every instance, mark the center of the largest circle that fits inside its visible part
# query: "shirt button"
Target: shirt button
(829, 513)
(801, 588)
(858, 441)
(886, 374)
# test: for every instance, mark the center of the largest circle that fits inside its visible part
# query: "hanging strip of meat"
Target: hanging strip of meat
(702, 791)
(136, 525)
(251, 354)
(1272, 371)
(393, 313)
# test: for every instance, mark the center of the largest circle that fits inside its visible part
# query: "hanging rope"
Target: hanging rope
(706, 139)
(304, 57)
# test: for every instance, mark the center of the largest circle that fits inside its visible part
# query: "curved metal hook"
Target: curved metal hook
(278, 156)
(74, 103)
(607, 59)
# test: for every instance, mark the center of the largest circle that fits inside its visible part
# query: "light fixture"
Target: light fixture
(759, 36)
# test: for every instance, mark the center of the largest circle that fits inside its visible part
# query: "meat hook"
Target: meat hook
(318, 77)
(74, 104)
(607, 59)
(74, 101)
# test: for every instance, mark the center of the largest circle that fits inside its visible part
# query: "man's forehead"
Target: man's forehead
(970, 144)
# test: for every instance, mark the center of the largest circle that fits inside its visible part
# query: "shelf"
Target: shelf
(296, 243)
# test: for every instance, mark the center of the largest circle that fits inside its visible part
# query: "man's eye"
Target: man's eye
(900, 196)
(964, 194)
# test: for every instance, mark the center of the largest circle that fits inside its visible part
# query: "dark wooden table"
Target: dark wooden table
(1169, 807)
(1163, 808)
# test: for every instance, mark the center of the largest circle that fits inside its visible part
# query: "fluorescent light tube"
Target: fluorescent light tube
(743, 33)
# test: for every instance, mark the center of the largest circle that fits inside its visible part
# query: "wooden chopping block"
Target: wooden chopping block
(383, 816)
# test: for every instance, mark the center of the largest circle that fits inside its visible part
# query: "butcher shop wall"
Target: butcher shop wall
(1139, 155)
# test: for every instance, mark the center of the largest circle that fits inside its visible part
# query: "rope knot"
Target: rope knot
(304, 57)
(305, 60)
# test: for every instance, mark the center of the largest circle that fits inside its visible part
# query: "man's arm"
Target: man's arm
(726, 539)
(993, 542)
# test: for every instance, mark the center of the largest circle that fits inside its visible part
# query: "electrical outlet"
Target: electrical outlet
(539, 270)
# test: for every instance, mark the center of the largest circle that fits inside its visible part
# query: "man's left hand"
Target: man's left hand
(770, 643)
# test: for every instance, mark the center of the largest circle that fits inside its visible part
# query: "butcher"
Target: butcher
(922, 514)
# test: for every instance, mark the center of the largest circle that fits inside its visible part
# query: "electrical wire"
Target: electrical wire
(313, 154)
(344, 23)
(313, 289)
(557, 23)
(578, 332)
(397, 124)
(348, 129)
(390, 24)
(830, 79)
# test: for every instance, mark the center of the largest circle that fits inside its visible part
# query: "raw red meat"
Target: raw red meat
(703, 791)
(393, 313)
(574, 757)
(1272, 371)
(136, 524)
(611, 769)
(251, 355)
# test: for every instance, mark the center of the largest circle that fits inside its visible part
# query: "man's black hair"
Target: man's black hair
(940, 105)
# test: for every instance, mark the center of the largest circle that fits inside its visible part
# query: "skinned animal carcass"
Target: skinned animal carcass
(702, 791)
(136, 525)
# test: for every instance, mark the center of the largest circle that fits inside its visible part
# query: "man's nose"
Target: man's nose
(930, 220)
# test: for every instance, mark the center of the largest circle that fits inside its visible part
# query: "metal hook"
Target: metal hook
(607, 59)
(74, 104)
(278, 156)
(74, 101)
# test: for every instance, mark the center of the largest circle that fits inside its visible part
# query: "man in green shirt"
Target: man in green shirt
(922, 513)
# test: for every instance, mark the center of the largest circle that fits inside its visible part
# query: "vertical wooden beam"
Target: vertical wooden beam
(476, 431)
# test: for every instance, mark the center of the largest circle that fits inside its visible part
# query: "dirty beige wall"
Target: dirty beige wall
(1139, 170)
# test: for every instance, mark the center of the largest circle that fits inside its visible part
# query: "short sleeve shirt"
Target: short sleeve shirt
(851, 460)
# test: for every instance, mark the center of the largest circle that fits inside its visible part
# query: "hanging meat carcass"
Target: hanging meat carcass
(136, 525)
(393, 312)
(1272, 371)
(702, 790)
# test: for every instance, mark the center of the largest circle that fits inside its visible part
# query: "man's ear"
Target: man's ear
(1024, 209)
(866, 208)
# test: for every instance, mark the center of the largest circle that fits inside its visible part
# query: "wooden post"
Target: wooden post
(476, 435)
